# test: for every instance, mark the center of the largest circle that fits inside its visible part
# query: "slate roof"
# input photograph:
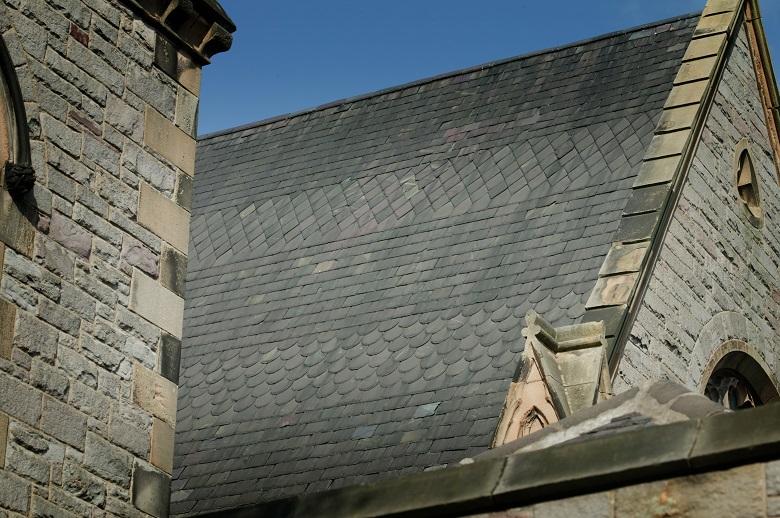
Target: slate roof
(359, 272)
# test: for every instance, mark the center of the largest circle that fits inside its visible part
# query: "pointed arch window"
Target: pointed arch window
(747, 184)
(17, 173)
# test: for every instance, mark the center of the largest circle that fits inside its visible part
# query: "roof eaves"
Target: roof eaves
(446, 75)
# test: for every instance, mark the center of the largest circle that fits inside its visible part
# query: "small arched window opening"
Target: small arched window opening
(747, 184)
(739, 381)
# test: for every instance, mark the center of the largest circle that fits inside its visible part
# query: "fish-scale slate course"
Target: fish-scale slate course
(359, 272)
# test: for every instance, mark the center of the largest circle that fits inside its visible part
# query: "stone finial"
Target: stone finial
(563, 370)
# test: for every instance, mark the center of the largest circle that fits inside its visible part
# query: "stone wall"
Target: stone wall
(750, 491)
(716, 277)
(91, 296)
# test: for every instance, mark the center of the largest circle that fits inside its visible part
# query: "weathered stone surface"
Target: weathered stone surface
(162, 445)
(154, 394)
(32, 275)
(695, 70)
(7, 323)
(3, 437)
(187, 112)
(173, 270)
(139, 256)
(42, 508)
(70, 235)
(170, 357)
(168, 140)
(156, 304)
(598, 505)
(76, 366)
(183, 194)
(64, 422)
(151, 490)
(59, 317)
(612, 291)
(107, 461)
(657, 171)
(163, 217)
(83, 485)
(624, 259)
(679, 118)
(667, 144)
(26, 464)
(35, 337)
(54, 257)
(14, 492)
(49, 379)
(714, 24)
(17, 231)
(129, 437)
(705, 47)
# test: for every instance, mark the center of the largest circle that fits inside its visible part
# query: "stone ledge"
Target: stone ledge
(603, 463)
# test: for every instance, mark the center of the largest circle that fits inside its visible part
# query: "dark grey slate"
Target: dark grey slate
(352, 263)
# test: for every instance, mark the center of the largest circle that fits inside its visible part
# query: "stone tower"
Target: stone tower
(98, 116)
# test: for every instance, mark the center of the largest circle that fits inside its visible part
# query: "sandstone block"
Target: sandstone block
(169, 141)
(713, 24)
(705, 47)
(162, 445)
(695, 70)
(156, 304)
(7, 324)
(679, 118)
(164, 218)
(667, 144)
(17, 230)
(154, 394)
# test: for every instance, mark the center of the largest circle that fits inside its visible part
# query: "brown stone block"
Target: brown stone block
(7, 322)
(3, 438)
(705, 47)
(624, 258)
(688, 93)
(171, 142)
(16, 227)
(720, 6)
(657, 171)
(612, 291)
(667, 144)
(154, 394)
(156, 304)
(696, 70)
(674, 119)
(189, 74)
(162, 445)
(163, 217)
(714, 24)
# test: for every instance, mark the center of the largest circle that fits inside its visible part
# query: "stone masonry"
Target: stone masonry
(91, 291)
(716, 277)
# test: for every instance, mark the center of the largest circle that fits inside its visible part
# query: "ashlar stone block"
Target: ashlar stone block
(705, 47)
(156, 304)
(7, 324)
(696, 70)
(171, 142)
(164, 218)
(155, 394)
(162, 445)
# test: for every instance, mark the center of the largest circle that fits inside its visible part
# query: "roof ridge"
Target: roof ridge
(418, 82)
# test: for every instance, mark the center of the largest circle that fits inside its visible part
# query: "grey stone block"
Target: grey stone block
(50, 380)
(129, 437)
(83, 485)
(90, 401)
(173, 270)
(107, 461)
(138, 255)
(42, 508)
(101, 354)
(54, 257)
(61, 135)
(76, 366)
(32, 275)
(64, 422)
(151, 490)
(59, 317)
(25, 464)
(14, 493)
(170, 357)
(35, 336)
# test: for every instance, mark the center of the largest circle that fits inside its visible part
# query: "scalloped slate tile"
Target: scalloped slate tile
(366, 258)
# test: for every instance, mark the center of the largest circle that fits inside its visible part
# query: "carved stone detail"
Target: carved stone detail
(19, 179)
(563, 370)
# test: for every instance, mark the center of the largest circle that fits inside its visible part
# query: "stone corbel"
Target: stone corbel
(563, 370)
(19, 179)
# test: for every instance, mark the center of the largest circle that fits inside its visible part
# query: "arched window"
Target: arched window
(747, 184)
(17, 173)
(738, 379)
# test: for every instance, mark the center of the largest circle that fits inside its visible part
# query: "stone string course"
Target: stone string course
(91, 293)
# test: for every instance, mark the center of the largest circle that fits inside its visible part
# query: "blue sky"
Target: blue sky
(290, 55)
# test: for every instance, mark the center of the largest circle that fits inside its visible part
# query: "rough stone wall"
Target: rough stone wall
(716, 277)
(750, 491)
(91, 294)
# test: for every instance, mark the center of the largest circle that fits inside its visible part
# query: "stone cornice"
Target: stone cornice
(199, 27)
